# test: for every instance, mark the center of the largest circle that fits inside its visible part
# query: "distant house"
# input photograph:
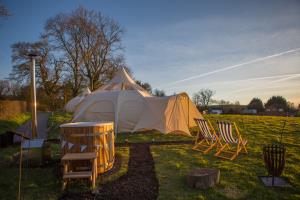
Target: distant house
(247, 111)
(274, 109)
(226, 109)
(216, 111)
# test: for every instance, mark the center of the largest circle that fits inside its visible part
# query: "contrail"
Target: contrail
(234, 66)
(286, 78)
(268, 86)
(253, 87)
(282, 76)
(263, 90)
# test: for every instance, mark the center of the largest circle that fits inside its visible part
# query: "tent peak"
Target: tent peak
(123, 81)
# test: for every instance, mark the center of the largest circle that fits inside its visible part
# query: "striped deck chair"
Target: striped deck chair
(233, 145)
(206, 136)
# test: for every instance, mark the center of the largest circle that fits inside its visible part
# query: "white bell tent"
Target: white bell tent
(72, 104)
(132, 108)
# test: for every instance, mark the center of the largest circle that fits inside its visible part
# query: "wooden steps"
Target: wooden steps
(90, 174)
(79, 174)
(79, 156)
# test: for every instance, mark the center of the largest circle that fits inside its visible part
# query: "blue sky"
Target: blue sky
(239, 49)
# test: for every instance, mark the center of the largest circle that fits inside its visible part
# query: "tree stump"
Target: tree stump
(203, 178)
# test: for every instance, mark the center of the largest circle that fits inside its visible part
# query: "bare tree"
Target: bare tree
(99, 46)
(49, 70)
(223, 102)
(20, 60)
(4, 87)
(159, 93)
(66, 43)
(145, 85)
(256, 103)
(203, 97)
(196, 99)
(90, 43)
(76, 49)
(15, 89)
(10, 89)
(237, 103)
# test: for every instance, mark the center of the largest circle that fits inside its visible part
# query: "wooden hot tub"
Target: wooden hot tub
(90, 137)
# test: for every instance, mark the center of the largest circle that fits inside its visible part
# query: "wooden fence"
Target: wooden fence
(9, 108)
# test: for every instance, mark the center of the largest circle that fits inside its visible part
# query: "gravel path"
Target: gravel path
(139, 183)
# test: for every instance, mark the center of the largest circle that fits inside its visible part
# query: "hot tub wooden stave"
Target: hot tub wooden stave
(89, 137)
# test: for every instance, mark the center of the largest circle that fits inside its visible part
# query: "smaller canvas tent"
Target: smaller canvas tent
(132, 108)
(170, 114)
(73, 103)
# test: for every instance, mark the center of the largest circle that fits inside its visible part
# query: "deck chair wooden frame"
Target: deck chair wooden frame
(206, 138)
(233, 146)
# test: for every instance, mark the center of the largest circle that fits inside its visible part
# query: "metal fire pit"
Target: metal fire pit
(274, 157)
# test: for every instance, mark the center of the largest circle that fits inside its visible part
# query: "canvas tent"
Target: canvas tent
(132, 108)
(72, 104)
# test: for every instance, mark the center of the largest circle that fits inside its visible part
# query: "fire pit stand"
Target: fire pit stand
(274, 158)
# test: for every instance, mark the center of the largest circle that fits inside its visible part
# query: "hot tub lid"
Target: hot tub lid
(86, 124)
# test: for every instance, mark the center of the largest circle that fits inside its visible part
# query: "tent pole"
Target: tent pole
(184, 113)
(172, 109)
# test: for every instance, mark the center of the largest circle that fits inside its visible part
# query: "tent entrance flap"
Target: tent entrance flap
(178, 119)
(183, 99)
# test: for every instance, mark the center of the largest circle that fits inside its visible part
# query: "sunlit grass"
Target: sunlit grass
(55, 120)
(123, 153)
(14, 122)
(150, 136)
(239, 179)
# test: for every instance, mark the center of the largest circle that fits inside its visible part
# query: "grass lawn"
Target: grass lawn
(14, 122)
(124, 152)
(238, 178)
(56, 119)
(148, 136)
(43, 183)
(37, 183)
